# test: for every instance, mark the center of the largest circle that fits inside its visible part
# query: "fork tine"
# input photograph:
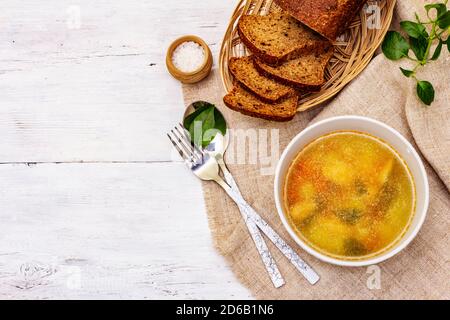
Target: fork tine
(185, 154)
(186, 141)
(182, 129)
(182, 154)
(179, 141)
(183, 134)
(196, 148)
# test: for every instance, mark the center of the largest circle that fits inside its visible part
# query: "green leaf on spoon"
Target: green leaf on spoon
(204, 123)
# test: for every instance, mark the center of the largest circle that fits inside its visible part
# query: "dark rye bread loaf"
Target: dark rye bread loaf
(246, 103)
(329, 18)
(306, 73)
(268, 90)
(278, 37)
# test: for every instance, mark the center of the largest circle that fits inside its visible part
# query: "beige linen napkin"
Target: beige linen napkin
(422, 270)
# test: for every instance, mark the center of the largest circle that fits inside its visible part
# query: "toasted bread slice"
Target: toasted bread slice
(278, 37)
(268, 90)
(306, 73)
(246, 103)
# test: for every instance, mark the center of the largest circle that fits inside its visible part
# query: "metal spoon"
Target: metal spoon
(217, 149)
(219, 144)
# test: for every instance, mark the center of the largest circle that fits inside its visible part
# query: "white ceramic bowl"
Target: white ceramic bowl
(374, 128)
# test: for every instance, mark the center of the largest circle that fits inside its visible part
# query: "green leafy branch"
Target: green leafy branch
(396, 47)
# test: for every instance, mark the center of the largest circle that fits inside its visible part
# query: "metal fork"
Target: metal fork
(207, 168)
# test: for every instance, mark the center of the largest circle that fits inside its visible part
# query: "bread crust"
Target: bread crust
(279, 97)
(298, 85)
(256, 115)
(319, 46)
(229, 102)
(330, 18)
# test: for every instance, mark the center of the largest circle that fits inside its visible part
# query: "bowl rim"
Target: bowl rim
(351, 263)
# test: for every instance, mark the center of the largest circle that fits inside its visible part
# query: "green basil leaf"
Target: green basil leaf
(437, 52)
(448, 45)
(407, 73)
(208, 136)
(219, 127)
(395, 46)
(202, 123)
(196, 132)
(413, 29)
(221, 124)
(419, 47)
(440, 8)
(425, 91)
(199, 107)
(444, 20)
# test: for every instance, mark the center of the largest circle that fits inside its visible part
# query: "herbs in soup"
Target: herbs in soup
(349, 195)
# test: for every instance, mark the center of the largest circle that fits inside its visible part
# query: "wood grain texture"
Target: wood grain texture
(100, 92)
(94, 204)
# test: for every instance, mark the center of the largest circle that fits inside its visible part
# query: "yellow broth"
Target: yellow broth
(349, 195)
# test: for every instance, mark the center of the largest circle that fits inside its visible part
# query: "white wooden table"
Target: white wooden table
(93, 203)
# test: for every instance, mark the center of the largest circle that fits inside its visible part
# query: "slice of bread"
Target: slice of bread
(268, 90)
(278, 37)
(246, 103)
(306, 73)
(328, 17)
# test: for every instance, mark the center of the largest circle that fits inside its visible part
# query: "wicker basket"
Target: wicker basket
(353, 50)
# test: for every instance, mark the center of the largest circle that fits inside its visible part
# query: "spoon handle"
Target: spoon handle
(261, 246)
(287, 250)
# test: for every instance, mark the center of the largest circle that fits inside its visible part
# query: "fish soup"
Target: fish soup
(349, 195)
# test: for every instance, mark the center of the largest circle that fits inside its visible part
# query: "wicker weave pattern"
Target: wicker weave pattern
(353, 50)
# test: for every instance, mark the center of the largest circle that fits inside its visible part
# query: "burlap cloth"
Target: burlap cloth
(421, 271)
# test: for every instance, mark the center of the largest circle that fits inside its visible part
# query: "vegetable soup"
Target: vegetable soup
(349, 195)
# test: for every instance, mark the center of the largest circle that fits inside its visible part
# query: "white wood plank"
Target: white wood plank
(100, 92)
(107, 231)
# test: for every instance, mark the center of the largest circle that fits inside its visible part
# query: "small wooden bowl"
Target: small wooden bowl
(194, 76)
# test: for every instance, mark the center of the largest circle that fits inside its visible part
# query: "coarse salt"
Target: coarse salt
(188, 56)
